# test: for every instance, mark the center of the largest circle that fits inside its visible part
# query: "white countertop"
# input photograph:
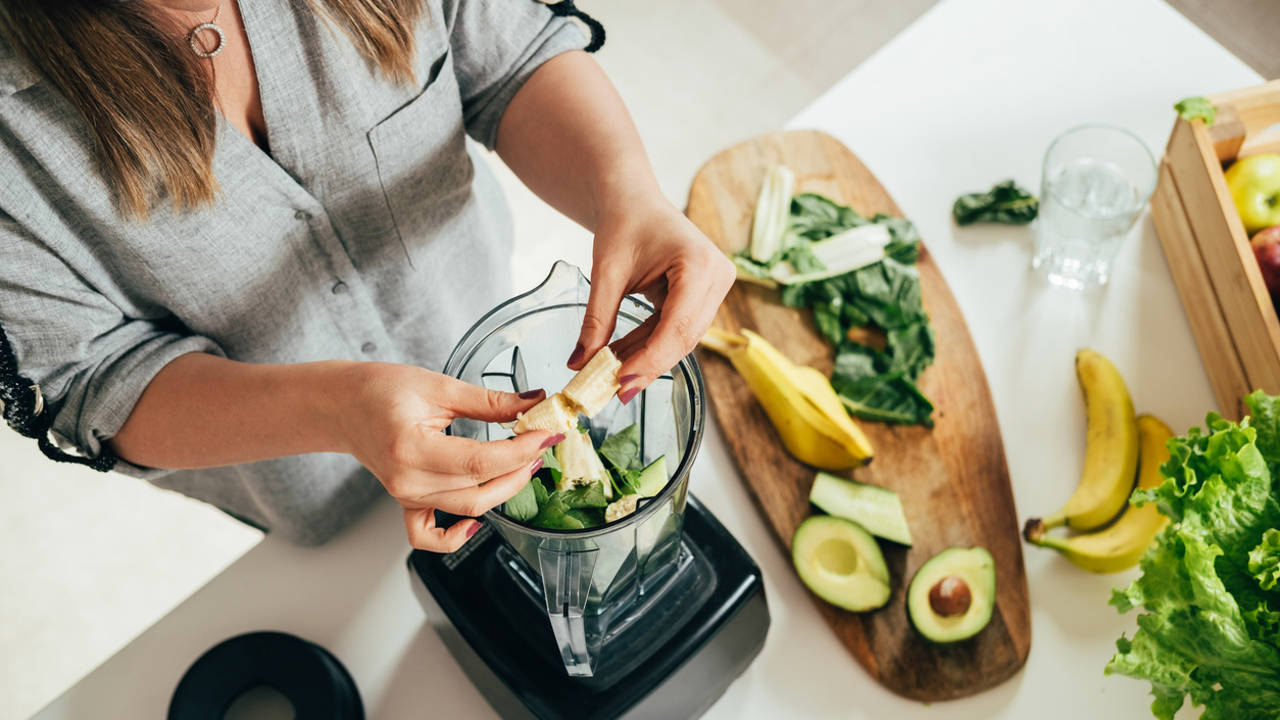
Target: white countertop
(969, 95)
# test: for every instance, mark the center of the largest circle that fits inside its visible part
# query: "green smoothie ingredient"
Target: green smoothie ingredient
(876, 509)
(841, 563)
(580, 486)
(1210, 622)
(1006, 203)
(953, 594)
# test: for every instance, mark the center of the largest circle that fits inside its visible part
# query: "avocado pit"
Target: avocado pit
(950, 596)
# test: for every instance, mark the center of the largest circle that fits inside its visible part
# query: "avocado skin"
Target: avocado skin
(977, 568)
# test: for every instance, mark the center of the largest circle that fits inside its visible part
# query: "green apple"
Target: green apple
(1254, 182)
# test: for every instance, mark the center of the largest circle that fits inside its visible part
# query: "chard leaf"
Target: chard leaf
(910, 349)
(1005, 203)
(803, 259)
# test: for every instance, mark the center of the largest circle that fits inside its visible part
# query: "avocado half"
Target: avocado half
(953, 594)
(841, 563)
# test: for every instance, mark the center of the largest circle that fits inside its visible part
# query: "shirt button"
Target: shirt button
(339, 288)
(302, 215)
(368, 348)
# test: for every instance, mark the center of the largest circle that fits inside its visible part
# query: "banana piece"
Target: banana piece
(554, 414)
(1122, 545)
(595, 384)
(813, 425)
(588, 393)
(621, 507)
(1111, 448)
(580, 465)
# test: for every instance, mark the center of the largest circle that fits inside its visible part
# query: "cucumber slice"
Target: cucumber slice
(653, 478)
(874, 508)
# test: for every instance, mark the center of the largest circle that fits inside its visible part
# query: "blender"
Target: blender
(651, 615)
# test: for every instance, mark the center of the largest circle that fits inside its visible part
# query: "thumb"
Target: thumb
(477, 403)
(601, 315)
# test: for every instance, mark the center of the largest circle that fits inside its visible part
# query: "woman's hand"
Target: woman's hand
(651, 248)
(396, 430)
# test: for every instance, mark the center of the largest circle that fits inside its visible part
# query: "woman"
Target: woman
(233, 235)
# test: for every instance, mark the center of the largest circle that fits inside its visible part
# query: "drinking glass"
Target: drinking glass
(1096, 181)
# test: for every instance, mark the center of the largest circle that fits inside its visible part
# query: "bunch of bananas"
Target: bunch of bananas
(1118, 447)
(799, 400)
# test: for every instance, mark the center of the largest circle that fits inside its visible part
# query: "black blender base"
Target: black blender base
(503, 641)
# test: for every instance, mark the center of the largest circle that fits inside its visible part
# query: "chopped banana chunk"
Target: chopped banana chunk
(580, 465)
(621, 507)
(595, 384)
(553, 414)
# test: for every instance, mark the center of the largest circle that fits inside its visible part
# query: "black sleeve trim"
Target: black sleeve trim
(18, 401)
(566, 8)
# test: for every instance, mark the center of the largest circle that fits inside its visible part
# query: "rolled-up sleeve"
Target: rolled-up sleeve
(497, 45)
(90, 361)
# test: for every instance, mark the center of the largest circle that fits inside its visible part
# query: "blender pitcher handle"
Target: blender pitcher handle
(566, 585)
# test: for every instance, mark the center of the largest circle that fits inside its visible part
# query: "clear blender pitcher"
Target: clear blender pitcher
(594, 582)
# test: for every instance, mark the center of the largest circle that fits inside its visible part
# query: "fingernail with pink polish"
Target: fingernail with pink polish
(626, 380)
(553, 440)
(576, 356)
(475, 528)
(627, 395)
(537, 465)
(531, 394)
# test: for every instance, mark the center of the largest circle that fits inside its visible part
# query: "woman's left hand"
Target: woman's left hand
(650, 247)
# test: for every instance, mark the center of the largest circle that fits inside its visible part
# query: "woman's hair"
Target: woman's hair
(147, 100)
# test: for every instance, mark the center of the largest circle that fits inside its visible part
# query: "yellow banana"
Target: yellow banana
(588, 392)
(1122, 545)
(799, 401)
(1111, 448)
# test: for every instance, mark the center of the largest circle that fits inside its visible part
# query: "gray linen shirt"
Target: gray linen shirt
(371, 232)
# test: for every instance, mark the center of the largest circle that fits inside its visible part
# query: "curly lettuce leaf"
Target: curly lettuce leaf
(1209, 629)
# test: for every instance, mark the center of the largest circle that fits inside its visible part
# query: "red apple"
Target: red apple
(1266, 248)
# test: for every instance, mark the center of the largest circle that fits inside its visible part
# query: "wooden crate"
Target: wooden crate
(1231, 313)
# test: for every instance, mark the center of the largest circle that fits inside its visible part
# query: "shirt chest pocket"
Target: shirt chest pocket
(421, 156)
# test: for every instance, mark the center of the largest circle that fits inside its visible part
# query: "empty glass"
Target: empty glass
(596, 581)
(1096, 181)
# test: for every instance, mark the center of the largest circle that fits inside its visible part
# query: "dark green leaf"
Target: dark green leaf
(911, 349)
(551, 467)
(827, 318)
(1196, 107)
(803, 259)
(889, 398)
(626, 482)
(1005, 203)
(554, 515)
(586, 496)
(622, 449)
(523, 506)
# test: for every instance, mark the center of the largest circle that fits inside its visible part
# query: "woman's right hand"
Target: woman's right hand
(396, 429)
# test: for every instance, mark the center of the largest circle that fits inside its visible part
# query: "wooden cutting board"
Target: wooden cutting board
(952, 479)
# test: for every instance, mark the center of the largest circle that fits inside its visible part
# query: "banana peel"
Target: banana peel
(1122, 544)
(799, 400)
